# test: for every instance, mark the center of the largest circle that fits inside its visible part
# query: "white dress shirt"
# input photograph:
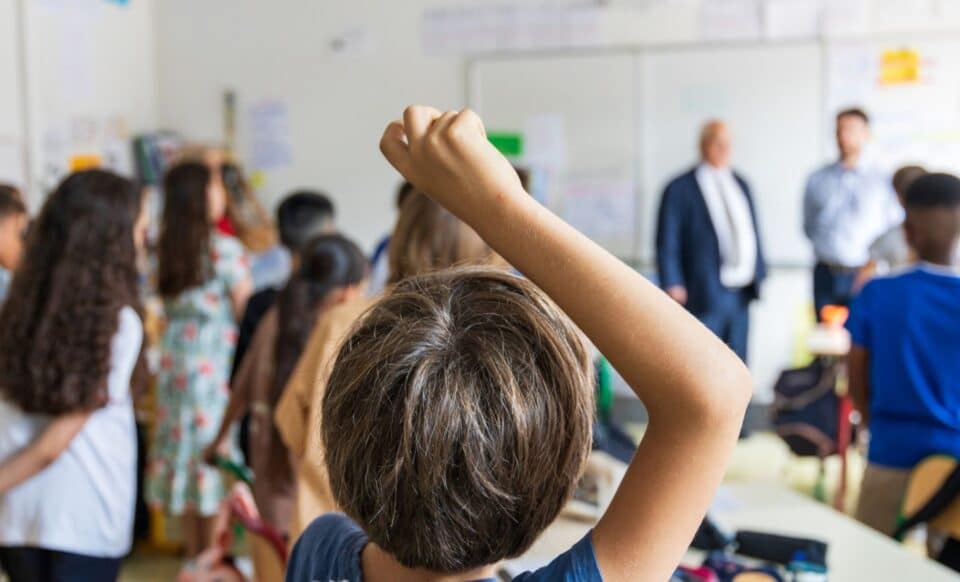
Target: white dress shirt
(733, 222)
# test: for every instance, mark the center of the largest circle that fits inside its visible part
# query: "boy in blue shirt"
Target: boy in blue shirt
(905, 363)
(457, 418)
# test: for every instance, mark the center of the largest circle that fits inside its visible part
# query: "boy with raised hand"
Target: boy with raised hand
(457, 418)
(905, 363)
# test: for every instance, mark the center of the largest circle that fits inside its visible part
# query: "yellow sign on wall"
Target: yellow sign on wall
(899, 67)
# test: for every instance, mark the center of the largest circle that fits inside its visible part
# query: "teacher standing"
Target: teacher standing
(709, 253)
(847, 206)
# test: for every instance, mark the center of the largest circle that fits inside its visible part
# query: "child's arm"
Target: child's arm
(695, 389)
(858, 376)
(42, 452)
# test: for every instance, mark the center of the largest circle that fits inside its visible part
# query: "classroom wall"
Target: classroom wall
(89, 84)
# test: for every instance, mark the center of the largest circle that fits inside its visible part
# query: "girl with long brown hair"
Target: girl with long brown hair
(70, 348)
(332, 271)
(204, 281)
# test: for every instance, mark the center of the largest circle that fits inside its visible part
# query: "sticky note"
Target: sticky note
(510, 144)
(899, 67)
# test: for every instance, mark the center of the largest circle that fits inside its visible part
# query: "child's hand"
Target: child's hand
(449, 158)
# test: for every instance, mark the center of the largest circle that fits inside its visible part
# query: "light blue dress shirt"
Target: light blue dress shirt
(845, 210)
(4, 283)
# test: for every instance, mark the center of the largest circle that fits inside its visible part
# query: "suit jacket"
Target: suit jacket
(688, 252)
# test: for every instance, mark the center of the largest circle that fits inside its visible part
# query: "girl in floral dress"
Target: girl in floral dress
(204, 280)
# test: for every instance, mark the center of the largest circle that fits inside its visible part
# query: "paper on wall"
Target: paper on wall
(730, 19)
(846, 18)
(505, 27)
(601, 207)
(271, 135)
(791, 19)
(545, 142)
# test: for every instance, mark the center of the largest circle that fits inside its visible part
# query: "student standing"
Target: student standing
(330, 271)
(70, 343)
(457, 418)
(846, 207)
(13, 227)
(904, 366)
(427, 238)
(204, 280)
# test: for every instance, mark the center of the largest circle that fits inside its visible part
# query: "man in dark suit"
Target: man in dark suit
(709, 253)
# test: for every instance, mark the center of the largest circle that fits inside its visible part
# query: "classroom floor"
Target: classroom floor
(762, 457)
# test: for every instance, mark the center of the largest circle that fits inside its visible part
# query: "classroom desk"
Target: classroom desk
(856, 552)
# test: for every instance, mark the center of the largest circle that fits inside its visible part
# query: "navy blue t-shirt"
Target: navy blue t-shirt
(329, 551)
(910, 325)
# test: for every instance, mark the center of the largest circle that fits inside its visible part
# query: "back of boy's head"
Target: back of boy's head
(458, 418)
(428, 238)
(11, 204)
(933, 215)
(302, 216)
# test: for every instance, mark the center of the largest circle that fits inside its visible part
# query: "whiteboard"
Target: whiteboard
(772, 97)
(584, 107)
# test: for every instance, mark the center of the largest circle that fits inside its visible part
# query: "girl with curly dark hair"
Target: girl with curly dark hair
(204, 280)
(70, 348)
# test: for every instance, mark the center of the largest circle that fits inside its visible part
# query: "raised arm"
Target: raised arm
(42, 452)
(695, 389)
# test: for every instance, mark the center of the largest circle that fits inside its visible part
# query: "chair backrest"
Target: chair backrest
(933, 477)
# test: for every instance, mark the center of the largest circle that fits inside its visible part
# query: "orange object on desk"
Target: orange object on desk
(834, 316)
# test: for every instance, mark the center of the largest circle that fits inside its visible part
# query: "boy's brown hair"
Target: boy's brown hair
(457, 419)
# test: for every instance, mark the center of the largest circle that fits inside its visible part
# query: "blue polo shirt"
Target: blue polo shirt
(910, 324)
(329, 551)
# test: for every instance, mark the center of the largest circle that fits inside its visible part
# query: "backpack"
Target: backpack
(806, 409)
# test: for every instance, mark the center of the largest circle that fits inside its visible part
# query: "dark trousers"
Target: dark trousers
(832, 286)
(38, 565)
(729, 319)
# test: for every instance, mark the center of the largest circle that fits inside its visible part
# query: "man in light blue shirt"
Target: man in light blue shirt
(846, 207)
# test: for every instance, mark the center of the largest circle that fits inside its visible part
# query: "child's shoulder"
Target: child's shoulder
(225, 244)
(328, 549)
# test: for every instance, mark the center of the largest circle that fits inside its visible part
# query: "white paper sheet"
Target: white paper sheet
(476, 29)
(791, 19)
(731, 19)
(846, 18)
(271, 135)
(601, 207)
(545, 142)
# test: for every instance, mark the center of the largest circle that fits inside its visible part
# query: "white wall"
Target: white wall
(339, 105)
(90, 80)
(12, 128)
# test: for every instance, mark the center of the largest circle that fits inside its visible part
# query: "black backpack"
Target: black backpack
(806, 409)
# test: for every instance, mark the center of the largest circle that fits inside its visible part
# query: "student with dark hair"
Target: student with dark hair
(301, 216)
(456, 420)
(904, 365)
(847, 206)
(427, 238)
(331, 271)
(204, 280)
(70, 354)
(13, 227)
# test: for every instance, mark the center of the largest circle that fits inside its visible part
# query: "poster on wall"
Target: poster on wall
(271, 135)
(912, 94)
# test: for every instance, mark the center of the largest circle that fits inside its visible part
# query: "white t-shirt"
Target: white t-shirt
(84, 502)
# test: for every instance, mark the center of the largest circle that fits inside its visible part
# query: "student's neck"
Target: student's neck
(850, 161)
(940, 260)
(379, 566)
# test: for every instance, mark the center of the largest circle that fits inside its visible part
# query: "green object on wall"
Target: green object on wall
(509, 144)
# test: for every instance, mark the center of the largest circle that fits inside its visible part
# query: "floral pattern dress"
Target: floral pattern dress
(196, 355)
